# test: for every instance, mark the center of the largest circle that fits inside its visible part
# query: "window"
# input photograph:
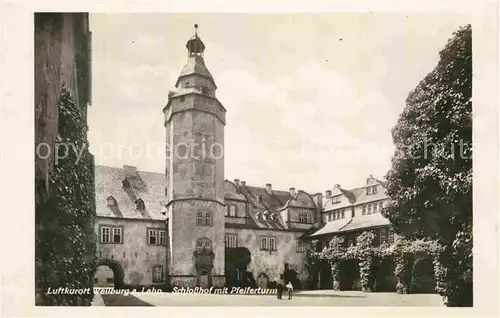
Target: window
(336, 199)
(368, 190)
(157, 274)
(117, 235)
(263, 243)
(163, 238)
(369, 209)
(153, 237)
(157, 237)
(383, 236)
(231, 210)
(301, 246)
(183, 98)
(105, 234)
(364, 210)
(230, 241)
(111, 201)
(304, 217)
(203, 244)
(111, 234)
(391, 237)
(374, 189)
(204, 218)
(381, 205)
(268, 243)
(272, 244)
(375, 206)
(330, 216)
(139, 204)
(343, 214)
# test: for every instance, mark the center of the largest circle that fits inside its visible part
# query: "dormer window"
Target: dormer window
(139, 204)
(265, 215)
(336, 199)
(111, 201)
(274, 216)
(371, 190)
(125, 184)
(258, 215)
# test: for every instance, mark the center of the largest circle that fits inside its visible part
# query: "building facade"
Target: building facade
(192, 227)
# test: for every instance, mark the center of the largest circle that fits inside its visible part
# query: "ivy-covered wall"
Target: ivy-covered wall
(64, 169)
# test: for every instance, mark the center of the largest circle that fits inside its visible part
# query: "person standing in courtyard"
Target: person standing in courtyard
(280, 286)
(289, 287)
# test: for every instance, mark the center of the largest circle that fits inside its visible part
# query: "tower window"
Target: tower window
(203, 244)
(204, 218)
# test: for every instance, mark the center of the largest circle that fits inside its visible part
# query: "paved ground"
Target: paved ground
(305, 298)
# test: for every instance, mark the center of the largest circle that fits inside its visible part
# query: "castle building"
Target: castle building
(192, 227)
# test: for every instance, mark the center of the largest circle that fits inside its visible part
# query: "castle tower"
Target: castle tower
(194, 122)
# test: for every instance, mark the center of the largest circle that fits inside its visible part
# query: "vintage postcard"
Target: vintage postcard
(259, 159)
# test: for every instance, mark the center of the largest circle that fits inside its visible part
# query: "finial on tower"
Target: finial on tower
(195, 46)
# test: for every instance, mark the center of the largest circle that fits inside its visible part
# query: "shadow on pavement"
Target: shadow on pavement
(122, 300)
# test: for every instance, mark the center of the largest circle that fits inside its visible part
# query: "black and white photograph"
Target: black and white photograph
(258, 159)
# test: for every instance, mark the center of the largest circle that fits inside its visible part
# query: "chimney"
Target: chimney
(318, 200)
(336, 187)
(269, 188)
(293, 193)
(243, 183)
(328, 193)
(130, 171)
(237, 182)
(370, 177)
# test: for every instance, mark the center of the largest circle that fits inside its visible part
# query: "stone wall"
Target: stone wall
(135, 255)
(272, 263)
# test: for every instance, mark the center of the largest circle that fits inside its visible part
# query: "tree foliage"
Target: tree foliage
(65, 237)
(430, 183)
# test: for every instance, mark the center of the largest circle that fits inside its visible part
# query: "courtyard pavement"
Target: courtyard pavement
(303, 298)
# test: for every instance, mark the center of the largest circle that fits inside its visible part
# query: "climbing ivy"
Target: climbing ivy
(402, 251)
(65, 237)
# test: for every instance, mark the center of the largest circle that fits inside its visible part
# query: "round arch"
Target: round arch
(422, 276)
(118, 273)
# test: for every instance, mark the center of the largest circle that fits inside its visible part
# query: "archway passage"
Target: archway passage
(290, 275)
(385, 280)
(236, 263)
(349, 275)
(422, 279)
(108, 273)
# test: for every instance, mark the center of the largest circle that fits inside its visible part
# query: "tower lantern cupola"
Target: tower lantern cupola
(195, 46)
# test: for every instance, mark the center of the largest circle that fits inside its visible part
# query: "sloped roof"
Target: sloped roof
(356, 223)
(365, 221)
(331, 227)
(196, 65)
(356, 196)
(148, 186)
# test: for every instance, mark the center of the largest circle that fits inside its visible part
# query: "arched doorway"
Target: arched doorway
(108, 273)
(236, 264)
(422, 278)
